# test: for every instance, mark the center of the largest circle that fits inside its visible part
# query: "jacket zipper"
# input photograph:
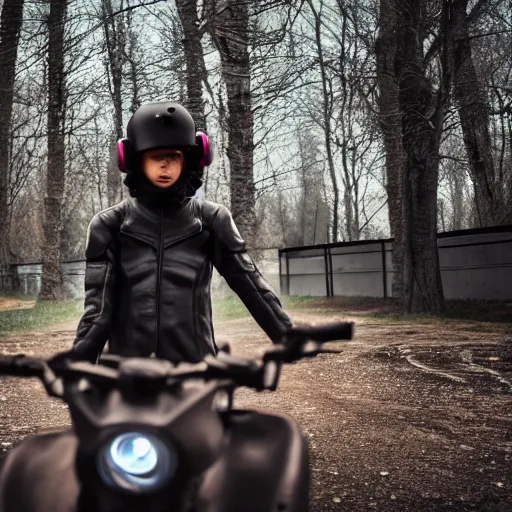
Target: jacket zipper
(159, 277)
(159, 282)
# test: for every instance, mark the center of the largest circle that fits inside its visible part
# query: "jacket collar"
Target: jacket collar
(150, 226)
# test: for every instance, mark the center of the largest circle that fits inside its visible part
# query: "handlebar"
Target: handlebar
(297, 343)
(325, 333)
(21, 366)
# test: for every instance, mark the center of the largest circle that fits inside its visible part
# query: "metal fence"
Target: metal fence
(26, 277)
(475, 264)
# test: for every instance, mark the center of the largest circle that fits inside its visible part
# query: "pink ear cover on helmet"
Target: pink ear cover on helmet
(121, 163)
(207, 154)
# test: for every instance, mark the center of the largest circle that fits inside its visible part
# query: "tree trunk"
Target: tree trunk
(390, 123)
(10, 26)
(326, 120)
(115, 40)
(230, 34)
(474, 117)
(196, 69)
(456, 188)
(422, 118)
(51, 282)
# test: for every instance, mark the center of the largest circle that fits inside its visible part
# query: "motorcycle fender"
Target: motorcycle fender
(39, 475)
(264, 467)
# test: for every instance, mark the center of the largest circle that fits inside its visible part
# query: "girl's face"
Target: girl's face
(162, 167)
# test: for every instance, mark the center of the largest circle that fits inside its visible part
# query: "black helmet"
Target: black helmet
(161, 125)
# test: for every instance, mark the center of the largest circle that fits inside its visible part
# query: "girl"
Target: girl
(149, 258)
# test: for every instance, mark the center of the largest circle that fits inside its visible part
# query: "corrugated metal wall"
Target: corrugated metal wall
(475, 264)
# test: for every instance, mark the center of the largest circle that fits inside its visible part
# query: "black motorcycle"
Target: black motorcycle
(150, 436)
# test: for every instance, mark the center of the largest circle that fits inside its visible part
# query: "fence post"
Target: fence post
(384, 271)
(326, 266)
(287, 274)
(330, 271)
(280, 273)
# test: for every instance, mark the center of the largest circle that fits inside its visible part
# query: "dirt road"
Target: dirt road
(408, 417)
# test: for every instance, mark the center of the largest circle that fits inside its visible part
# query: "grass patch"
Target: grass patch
(46, 313)
(43, 314)
(231, 308)
(482, 310)
(228, 309)
(335, 304)
(456, 310)
(388, 310)
(17, 296)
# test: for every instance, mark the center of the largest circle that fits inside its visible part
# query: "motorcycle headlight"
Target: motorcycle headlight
(136, 462)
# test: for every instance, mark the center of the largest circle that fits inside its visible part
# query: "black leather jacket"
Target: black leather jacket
(147, 281)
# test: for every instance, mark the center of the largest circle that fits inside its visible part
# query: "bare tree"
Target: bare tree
(390, 123)
(355, 134)
(195, 66)
(114, 28)
(229, 30)
(133, 58)
(311, 209)
(327, 106)
(51, 281)
(26, 211)
(474, 117)
(10, 25)
(422, 111)
(24, 154)
(454, 181)
(339, 100)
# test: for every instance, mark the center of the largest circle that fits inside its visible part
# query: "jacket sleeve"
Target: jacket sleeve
(233, 263)
(94, 326)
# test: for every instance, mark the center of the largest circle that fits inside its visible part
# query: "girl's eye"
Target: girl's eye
(170, 156)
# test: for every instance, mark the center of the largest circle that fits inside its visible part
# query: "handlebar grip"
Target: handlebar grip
(8, 363)
(20, 366)
(325, 333)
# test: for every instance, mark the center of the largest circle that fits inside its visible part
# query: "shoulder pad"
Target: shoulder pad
(209, 211)
(101, 231)
(225, 230)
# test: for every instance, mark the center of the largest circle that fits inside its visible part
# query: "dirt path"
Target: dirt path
(10, 304)
(407, 417)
